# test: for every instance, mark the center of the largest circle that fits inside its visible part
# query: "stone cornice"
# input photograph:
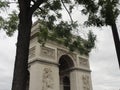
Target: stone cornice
(78, 69)
(38, 60)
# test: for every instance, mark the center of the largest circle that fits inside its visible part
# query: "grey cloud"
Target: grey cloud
(7, 54)
(104, 63)
(5, 83)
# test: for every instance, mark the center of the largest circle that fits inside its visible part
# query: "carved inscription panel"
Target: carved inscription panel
(83, 62)
(32, 52)
(86, 82)
(47, 52)
(47, 79)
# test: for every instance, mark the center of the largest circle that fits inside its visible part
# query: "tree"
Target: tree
(3, 4)
(9, 24)
(26, 11)
(107, 15)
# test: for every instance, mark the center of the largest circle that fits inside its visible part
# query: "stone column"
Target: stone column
(44, 76)
(74, 80)
(35, 77)
(80, 80)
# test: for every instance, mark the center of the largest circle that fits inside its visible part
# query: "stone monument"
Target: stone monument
(54, 67)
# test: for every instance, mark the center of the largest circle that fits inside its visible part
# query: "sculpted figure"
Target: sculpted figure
(47, 79)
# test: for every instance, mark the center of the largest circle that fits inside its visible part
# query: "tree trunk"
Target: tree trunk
(21, 73)
(116, 41)
(21, 61)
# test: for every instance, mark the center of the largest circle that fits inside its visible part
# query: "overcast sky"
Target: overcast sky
(104, 64)
(103, 60)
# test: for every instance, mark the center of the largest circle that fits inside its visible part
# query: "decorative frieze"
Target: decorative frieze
(47, 52)
(86, 82)
(74, 56)
(83, 62)
(32, 52)
(47, 79)
(61, 52)
(33, 40)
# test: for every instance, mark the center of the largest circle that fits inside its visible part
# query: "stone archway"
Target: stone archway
(65, 64)
(65, 70)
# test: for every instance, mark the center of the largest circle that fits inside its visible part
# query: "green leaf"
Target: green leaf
(4, 5)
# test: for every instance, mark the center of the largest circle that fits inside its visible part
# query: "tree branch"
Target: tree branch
(36, 5)
(67, 11)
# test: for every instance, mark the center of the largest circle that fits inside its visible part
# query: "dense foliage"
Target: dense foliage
(61, 33)
(54, 28)
(8, 23)
(51, 20)
(106, 14)
(3, 4)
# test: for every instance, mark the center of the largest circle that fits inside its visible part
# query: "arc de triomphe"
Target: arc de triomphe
(54, 67)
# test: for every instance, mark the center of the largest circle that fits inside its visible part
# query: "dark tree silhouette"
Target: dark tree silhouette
(106, 15)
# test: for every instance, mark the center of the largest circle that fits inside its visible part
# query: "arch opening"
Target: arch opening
(65, 63)
(66, 83)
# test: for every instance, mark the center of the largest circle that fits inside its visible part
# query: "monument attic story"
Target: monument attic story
(54, 67)
(64, 37)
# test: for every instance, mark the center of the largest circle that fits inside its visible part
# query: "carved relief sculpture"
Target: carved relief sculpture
(83, 62)
(61, 52)
(48, 52)
(32, 52)
(86, 82)
(47, 79)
